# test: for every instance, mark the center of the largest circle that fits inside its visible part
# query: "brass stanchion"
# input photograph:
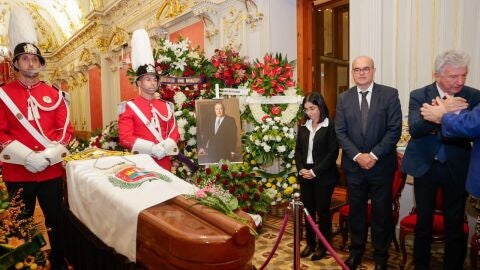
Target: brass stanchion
(297, 222)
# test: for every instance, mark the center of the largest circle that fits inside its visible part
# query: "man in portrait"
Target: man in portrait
(218, 136)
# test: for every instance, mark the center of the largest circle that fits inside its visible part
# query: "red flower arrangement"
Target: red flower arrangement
(241, 182)
(230, 69)
(191, 92)
(273, 76)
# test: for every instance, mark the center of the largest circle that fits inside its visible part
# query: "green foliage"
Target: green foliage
(240, 181)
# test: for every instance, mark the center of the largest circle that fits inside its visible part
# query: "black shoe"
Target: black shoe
(319, 254)
(380, 266)
(353, 262)
(307, 251)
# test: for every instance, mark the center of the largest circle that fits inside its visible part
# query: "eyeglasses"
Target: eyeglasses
(364, 70)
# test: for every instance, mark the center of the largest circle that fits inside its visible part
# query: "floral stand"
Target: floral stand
(279, 210)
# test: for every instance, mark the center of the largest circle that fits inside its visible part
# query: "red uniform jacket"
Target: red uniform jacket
(130, 127)
(52, 123)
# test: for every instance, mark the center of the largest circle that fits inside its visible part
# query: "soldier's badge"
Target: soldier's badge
(19, 116)
(47, 99)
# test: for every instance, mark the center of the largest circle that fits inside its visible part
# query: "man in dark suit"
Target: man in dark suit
(221, 139)
(466, 124)
(435, 161)
(368, 126)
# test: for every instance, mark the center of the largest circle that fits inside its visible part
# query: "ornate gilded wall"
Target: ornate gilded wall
(103, 43)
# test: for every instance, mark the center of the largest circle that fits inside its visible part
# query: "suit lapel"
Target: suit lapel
(432, 92)
(374, 102)
(354, 105)
(319, 134)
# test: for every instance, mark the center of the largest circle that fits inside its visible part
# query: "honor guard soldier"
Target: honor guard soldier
(34, 130)
(146, 124)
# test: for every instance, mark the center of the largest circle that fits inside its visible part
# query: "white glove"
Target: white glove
(36, 162)
(142, 146)
(170, 146)
(158, 151)
(55, 153)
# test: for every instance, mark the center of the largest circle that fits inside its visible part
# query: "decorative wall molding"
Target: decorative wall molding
(254, 16)
(107, 34)
(171, 9)
(232, 27)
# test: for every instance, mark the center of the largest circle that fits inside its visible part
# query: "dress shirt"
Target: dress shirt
(309, 126)
(218, 122)
(369, 95)
(442, 95)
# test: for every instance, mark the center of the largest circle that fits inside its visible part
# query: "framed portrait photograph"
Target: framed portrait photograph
(218, 130)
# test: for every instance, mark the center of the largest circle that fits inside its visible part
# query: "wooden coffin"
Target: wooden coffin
(171, 232)
(177, 235)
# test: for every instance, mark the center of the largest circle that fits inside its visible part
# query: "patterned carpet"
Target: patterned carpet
(283, 258)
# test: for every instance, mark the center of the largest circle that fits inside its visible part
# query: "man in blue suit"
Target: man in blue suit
(368, 127)
(439, 162)
(467, 125)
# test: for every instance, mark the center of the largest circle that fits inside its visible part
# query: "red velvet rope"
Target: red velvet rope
(324, 241)
(277, 242)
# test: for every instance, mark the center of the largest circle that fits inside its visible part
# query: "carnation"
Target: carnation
(178, 113)
(192, 130)
(181, 131)
(181, 122)
(192, 142)
(179, 98)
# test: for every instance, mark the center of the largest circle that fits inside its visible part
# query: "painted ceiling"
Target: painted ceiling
(56, 20)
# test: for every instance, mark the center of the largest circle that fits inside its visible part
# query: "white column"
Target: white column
(366, 32)
(110, 91)
(404, 37)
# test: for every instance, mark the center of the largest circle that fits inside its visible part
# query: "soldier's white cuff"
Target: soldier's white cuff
(55, 153)
(170, 147)
(142, 146)
(15, 153)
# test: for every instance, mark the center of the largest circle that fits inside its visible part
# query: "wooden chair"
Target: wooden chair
(474, 247)
(408, 223)
(397, 188)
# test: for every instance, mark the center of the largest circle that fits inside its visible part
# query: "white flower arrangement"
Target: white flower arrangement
(271, 140)
(286, 116)
(174, 59)
(179, 99)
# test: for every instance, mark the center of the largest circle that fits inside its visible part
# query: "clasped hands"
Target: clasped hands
(434, 112)
(36, 162)
(366, 161)
(39, 161)
(306, 174)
